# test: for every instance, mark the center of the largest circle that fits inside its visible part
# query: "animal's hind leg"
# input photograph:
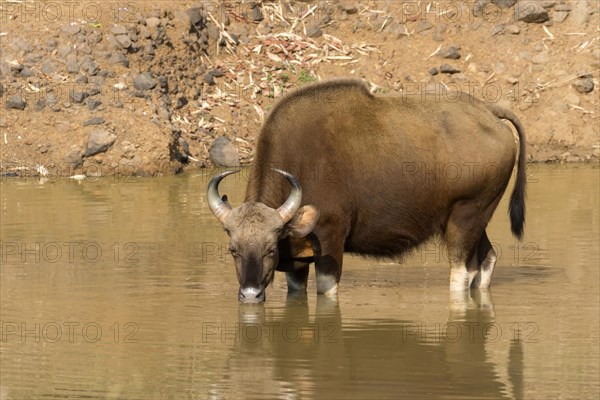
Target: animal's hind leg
(297, 279)
(463, 231)
(485, 257)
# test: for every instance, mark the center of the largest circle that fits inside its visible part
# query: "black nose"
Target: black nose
(251, 295)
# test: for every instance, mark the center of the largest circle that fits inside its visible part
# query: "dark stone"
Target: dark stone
(584, 84)
(119, 58)
(74, 159)
(217, 73)
(223, 153)
(531, 11)
(180, 102)
(197, 19)
(349, 8)
(92, 104)
(451, 52)
(504, 3)
(77, 96)
(93, 90)
(93, 121)
(433, 71)
(26, 72)
(99, 141)
(257, 14)
(313, 31)
(39, 105)
(90, 66)
(448, 69)
(16, 102)
(71, 64)
(144, 81)
(209, 78)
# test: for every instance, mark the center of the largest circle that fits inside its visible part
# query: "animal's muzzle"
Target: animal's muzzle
(251, 295)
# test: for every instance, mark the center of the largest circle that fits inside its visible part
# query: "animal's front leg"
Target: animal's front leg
(328, 268)
(297, 278)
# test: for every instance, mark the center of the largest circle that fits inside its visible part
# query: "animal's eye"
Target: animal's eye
(234, 252)
(270, 252)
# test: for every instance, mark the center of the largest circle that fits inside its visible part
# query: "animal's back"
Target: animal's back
(385, 162)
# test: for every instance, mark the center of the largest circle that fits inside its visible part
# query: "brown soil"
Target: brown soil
(219, 74)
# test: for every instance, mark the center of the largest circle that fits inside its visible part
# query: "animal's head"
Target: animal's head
(254, 230)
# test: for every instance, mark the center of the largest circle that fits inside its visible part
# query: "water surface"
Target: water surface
(121, 288)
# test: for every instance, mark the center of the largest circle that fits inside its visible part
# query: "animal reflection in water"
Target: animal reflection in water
(299, 356)
(355, 175)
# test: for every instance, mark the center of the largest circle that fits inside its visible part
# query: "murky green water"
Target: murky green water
(122, 288)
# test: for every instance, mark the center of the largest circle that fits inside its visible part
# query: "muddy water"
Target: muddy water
(121, 288)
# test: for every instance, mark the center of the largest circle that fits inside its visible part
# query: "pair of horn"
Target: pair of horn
(220, 208)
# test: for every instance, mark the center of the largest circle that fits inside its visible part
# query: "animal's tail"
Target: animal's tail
(517, 199)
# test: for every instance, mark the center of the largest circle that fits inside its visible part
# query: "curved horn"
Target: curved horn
(218, 206)
(291, 205)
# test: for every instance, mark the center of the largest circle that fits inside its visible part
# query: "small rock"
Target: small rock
(209, 78)
(513, 29)
(90, 66)
(433, 71)
(93, 121)
(423, 26)
(451, 52)
(118, 30)
(92, 104)
(74, 159)
(152, 22)
(123, 41)
(224, 154)
(26, 72)
(504, 3)
(498, 29)
(144, 81)
(314, 31)
(531, 11)
(99, 141)
(48, 68)
(197, 19)
(119, 58)
(257, 14)
(562, 7)
(448, 69)
(559, 16)
(77, 96)
(71, 64)
(84, 48)
(180, 102)
(584, 84)
(71, 29)
(16, 102)
(217, 73)
(349, 7)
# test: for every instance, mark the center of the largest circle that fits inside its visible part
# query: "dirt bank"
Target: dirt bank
(148, 88)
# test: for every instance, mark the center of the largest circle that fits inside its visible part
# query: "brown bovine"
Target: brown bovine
(338, 169)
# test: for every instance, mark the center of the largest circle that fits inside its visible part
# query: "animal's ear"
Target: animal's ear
(304, 221)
